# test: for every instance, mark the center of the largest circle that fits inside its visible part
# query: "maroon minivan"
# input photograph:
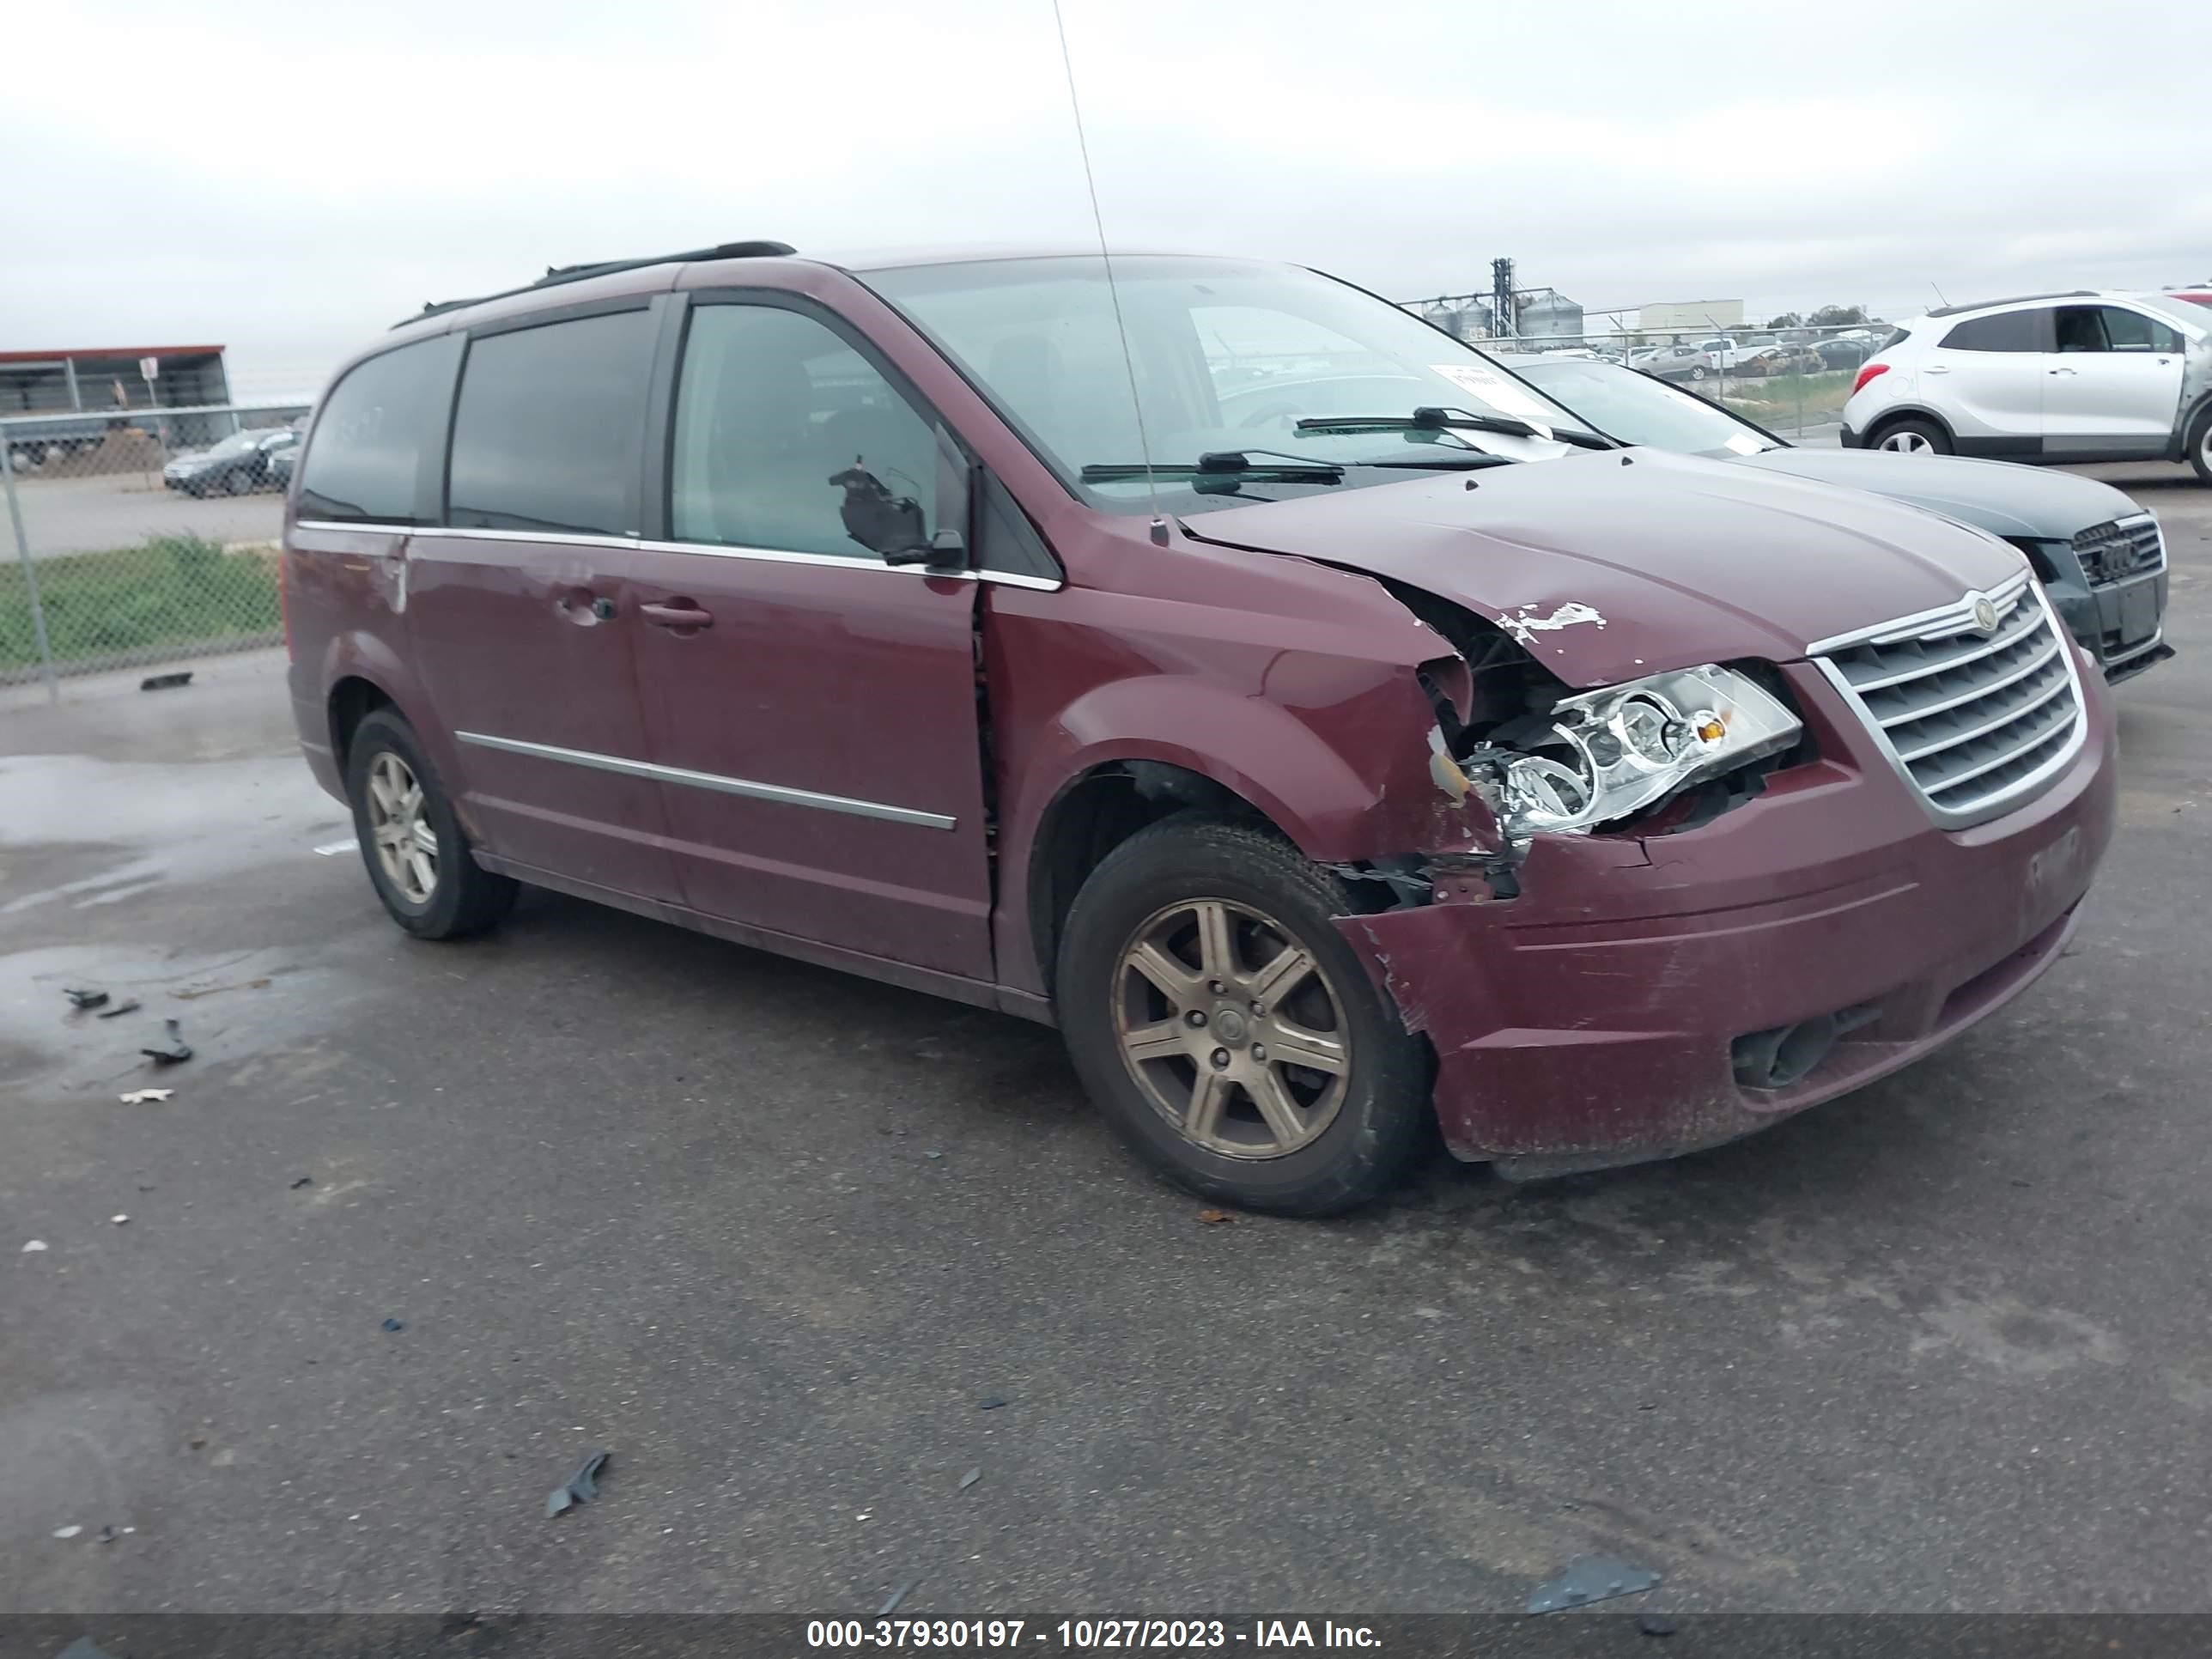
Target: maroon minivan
(1301, 711)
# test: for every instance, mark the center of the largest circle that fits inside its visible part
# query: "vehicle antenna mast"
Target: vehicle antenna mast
(1113, 292)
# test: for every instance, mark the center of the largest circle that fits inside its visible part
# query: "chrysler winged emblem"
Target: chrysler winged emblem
(1985, 614)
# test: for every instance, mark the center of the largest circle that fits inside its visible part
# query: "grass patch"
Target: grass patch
(173, 590)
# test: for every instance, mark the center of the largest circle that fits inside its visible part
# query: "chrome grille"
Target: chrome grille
(1977, 720)
(2122, 548)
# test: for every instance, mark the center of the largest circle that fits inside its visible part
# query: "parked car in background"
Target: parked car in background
(1725, 351)
(1676, 363)
(2056, 377)
(279, 466)
(2100, 557)
(237, 464)
(1760, 359)
(1841, 353)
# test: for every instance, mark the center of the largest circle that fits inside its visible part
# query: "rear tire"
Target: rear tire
(2200, 445)
(418, 856)
(1205, 902)
(1910, 436)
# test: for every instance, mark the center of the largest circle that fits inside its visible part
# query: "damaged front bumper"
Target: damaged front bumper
(1611, 1012)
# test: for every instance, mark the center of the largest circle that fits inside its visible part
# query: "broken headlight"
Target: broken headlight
(1603, 754)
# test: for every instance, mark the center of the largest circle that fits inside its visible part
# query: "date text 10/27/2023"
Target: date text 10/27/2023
(1086, 1634)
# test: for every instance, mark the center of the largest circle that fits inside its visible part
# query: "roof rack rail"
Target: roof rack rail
(555, 274)
(2014, 300)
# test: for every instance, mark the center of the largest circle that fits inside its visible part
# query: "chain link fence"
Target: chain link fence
(1793, 381)
(141, 537)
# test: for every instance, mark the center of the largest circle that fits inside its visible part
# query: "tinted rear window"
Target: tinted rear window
(547, 431)
(1895, 337)
(2007, 331)
(369, 442)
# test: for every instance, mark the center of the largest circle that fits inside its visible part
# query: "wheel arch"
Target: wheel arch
(1889, 417)
(1096, 810)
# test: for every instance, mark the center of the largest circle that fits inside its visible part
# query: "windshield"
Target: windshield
(1228, 356)
(236, 441)
(1638, 410)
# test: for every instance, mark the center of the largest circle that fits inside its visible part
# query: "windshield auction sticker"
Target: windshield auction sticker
(1494, 389)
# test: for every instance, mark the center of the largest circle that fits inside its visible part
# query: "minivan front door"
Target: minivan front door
(519, 612)
(2113, 384)
(814, 709)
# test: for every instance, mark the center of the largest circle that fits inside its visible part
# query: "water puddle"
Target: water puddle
(164, 823)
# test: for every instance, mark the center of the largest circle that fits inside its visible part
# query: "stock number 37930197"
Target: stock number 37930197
(1079, 1633)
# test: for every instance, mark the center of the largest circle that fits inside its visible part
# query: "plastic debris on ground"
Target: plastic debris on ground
(898, 1596)
(1653, 1625)
(32, 1247)
(84, 998)
(120, 1008)
(1214, 1218)
(67, 1532)
(1590, 1578)
(582, 1486)
(141, 1097)
(971, 1477)
(395, 1324)
(176, 1051)
(990, 1402)
(165, 681)
(119, 1220)
(299, 1181)
(84, 1648)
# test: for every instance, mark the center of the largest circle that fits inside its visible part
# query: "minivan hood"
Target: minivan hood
(2002, 497)
(1615, 564)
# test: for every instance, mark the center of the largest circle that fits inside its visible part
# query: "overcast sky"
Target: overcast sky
(288, 179)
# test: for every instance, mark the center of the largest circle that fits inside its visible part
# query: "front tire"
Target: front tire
(1912, 436)
(418, 855)
(2200, 445)
(1228, 1032)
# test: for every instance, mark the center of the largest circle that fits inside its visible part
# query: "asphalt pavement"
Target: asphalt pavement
(122, 509)
(422, 1225)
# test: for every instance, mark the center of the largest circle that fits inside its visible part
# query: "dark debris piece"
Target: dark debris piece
(84, 998)
(395, 1324)
(582, 1486)
(84, 1648)
(990, 1402)
(1590, 1578)
(1653, 1625)
(165, 681)
(971, 1477)
(299, 1181)
(120, 1008)
(175, 1052)
(898, 1596)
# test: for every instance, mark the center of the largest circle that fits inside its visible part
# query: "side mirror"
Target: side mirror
(946, 550)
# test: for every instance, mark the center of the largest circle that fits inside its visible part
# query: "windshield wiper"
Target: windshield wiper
(1219, 472)
(1428, 418)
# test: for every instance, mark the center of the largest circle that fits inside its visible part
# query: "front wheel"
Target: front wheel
(412, 841)
(1228, 1032)
(1697, 372)
(2200, 445)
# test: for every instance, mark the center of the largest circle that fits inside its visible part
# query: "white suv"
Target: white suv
(2053, 377)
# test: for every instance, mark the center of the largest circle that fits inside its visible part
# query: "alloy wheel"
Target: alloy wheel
(399, 824)
(1233, 1029)
(1908, 443)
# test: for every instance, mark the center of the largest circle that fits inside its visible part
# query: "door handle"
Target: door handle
(1939, 368)
(677, 613)
(2062, 371)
